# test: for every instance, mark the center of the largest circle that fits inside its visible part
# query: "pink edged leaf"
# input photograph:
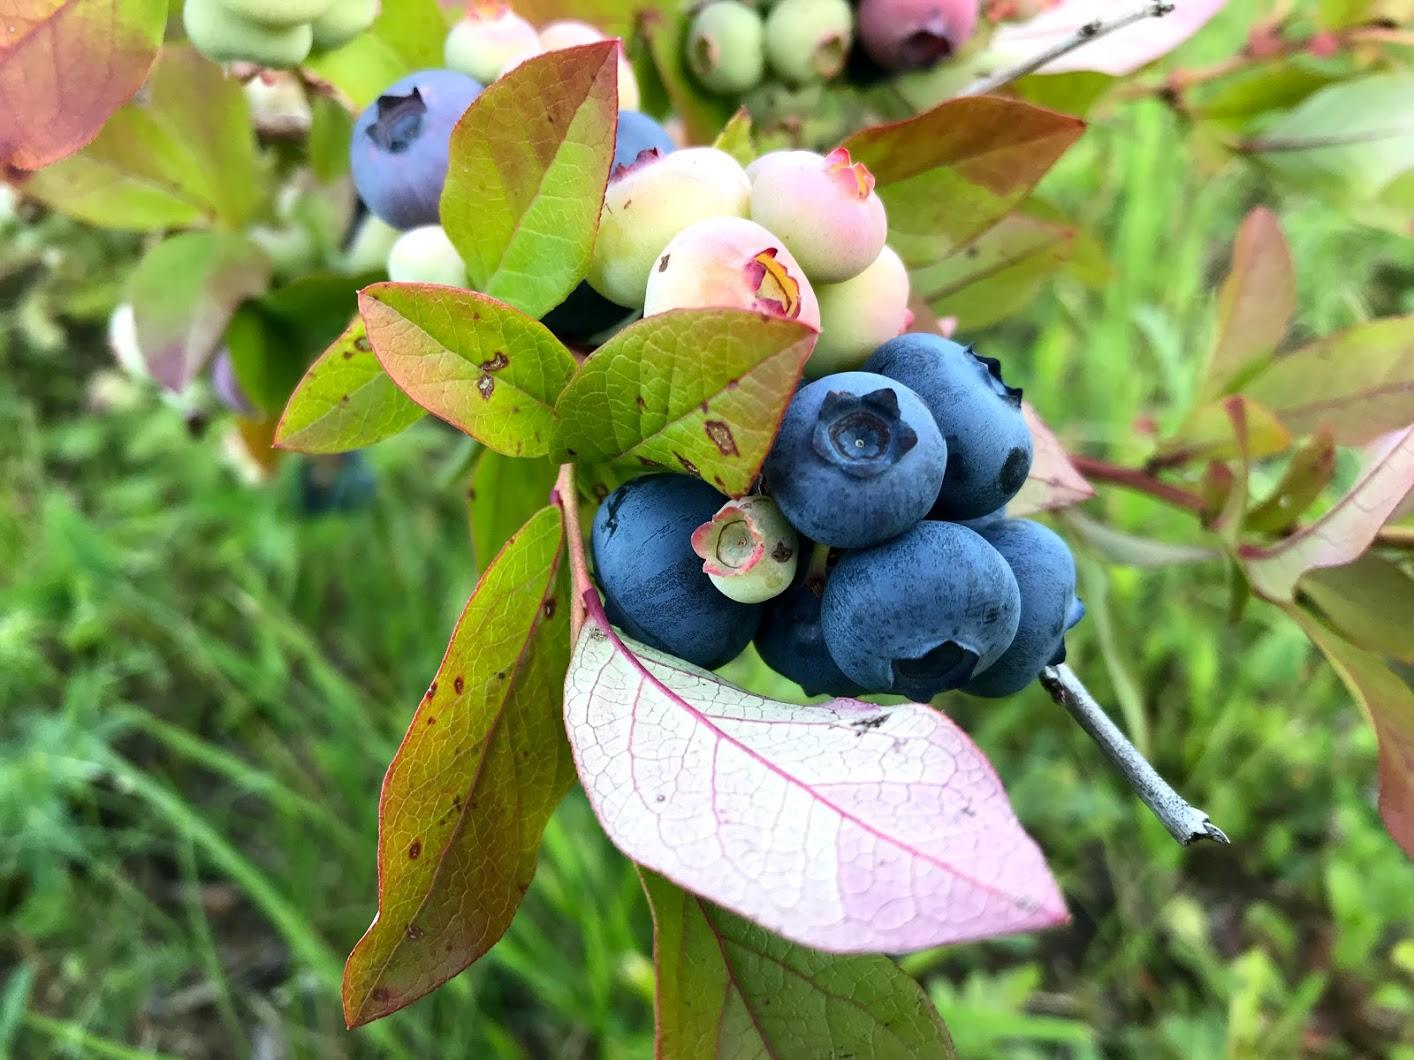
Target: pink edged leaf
(1389, 703)
(1118, 53)
(1054, 481)
(467, 797)
(529, 162)
(65, 67)
(1254, 303)
(726, 987)
(184, 293)
(952, 172)
(1343, 533)
(486, 368)
(843, 826)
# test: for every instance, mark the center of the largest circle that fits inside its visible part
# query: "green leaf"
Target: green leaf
(407, 36)
(504, 493)
(663, 29)
(952, 172)
(183, 154)
(1207, 434)
(1389, 703)
(1350, 140)
(184, 293)
(345, 401)
(701, 390)
(529, 163)
(1343, 533)
(467, 797)
(1358, 384)
(614, 17)
(735, 138)
(1119, 548)
(487, 369)
(1370, 601)
(330, 133)
(1261, 89)
(1254, 304)
(728, 988)
(1301, 485)
(65, 67)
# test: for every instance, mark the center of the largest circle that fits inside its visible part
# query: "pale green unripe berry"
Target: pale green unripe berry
(225, 37)
(371, 244)
(748, 550)
(809, 40)
(426, 255)
(649, 203)
(343, 22)
(860, 315)
(489, 40)
(278, 12)
(278, 104)
(726, 47)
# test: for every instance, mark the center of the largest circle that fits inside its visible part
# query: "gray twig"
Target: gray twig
(1091, 31)
(1184, 822)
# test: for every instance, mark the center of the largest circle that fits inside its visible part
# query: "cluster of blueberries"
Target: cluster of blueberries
(893, 481)
(733, 45)
(273, 33)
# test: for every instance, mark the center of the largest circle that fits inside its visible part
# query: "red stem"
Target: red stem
(567, 497)
(1139, 481)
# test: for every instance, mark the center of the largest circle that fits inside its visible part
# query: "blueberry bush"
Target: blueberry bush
(694, 282)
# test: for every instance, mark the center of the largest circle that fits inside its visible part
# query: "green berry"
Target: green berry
(808, 40)
(343, 22)
(278, 12)
(488, 41)
(860, 315)
(726, 47)
(426, 255)
(748, 550)
(225, 37)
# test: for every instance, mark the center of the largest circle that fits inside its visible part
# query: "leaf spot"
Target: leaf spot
(486, 386)
(414, 932)
(362, 344)
(721, 436)
(688, 465)
(496, 363)
(459, 684)
(415, 850)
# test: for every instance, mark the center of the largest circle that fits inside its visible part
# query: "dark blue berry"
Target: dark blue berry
(858, 460)
(400, 142)
(989, 444)
(791, 643)
(922, 613)
(638, 133)
(653, 584)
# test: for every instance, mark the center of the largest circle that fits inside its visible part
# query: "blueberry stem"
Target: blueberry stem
(566, 497)
(819, 565)
(1090, 31)
(1184, 822)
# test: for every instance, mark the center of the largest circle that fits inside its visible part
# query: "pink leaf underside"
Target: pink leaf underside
(1054, 482)
(1118, 53)
(844, 826)
(1347, 530)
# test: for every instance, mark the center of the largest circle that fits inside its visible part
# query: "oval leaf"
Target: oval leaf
(485, 368)
(728, 988)
(1343, 533)
(504, 491)
(182, 154)
(1359, 383)
(842, 826)
(478, 774)
(1054, 481)
(529, 162)
(65, 67)
(700, 390)
(183, 294)
(950, 173)
(407, 36)
(1370, 601)
(345, 401)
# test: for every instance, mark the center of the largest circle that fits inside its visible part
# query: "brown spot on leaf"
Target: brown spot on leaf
(486, 386)
(344, 399)
(362, 343)
(721, 436)
(415, 850)
(348, 354)
(432, 690)
(413, 932)
(431, 720)
(458, 684)
(381, 995)
(688, 465)
(600, 491)
(496, 363)
(640, 402)
(549, 608)
(732, 384)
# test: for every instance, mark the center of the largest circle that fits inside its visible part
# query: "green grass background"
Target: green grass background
(199, 693)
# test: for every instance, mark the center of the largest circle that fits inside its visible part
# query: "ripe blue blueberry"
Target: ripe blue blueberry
(791, 643)
(637, 132)
(922, 613)
(653, 583)
(859, 460)
(1045, 573)
(399, 148)
(989, 444)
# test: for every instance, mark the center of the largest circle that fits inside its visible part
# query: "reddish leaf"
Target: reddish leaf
(466, 800)
(1254, 304)
(65, 67)
(842, 826)
(949, 173)
(1344, 532)
(1054, 482)
(1389, 703)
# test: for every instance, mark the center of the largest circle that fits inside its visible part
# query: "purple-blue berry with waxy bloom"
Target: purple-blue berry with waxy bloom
(400, 144)
(791, 642)
(989, 444)
(858, 460)
(1045, 574)
(636, 133)
(920, 614)
(653, 583)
